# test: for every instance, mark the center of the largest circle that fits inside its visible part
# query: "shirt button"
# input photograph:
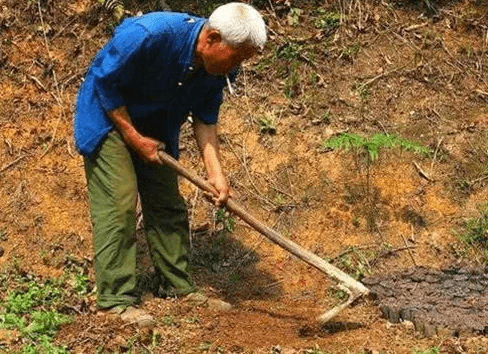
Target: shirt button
(180, 84)
(191, 68)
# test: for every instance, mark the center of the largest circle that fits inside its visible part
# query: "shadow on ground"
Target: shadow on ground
(218, 263)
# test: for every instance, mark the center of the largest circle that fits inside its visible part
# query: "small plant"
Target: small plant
(372, 145)
(234, 278)
(315, 350)
(431, 350)
(474, 233)
(325, 118)
(329, 20)
(292, 82)
(339, 294)
(356, 262)
(267, 125)
(30, 310)
(81, 284)
(204, 346)
(228, 222)
(363, 90)
(194, 319)
(289, 51)
(279, 199)
(168, 320)
(294, 16)
(350, 51)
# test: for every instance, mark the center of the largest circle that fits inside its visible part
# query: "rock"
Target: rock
(218, 305)
(408, 325)
(120, 342)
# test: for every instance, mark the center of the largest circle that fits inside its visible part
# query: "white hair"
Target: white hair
(239, 23)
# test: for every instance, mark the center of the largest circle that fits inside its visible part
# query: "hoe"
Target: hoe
(353, 288)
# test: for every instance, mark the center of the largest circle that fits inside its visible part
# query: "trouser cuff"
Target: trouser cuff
(106, 301)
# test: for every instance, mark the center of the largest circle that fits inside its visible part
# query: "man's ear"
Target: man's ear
(214, 37)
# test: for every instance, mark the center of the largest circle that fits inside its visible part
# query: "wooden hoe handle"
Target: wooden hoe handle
(354, 288)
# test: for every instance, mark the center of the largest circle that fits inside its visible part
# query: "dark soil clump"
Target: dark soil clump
(451, 300)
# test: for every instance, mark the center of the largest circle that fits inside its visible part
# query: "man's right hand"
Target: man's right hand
(147, 149)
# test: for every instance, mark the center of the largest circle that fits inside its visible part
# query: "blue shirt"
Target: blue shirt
(148, 66)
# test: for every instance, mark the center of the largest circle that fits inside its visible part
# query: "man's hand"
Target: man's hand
(225, 192)
(147, 149)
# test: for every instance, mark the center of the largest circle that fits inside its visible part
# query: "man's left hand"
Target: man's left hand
(222, 187)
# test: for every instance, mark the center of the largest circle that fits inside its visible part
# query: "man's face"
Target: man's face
(220, 59)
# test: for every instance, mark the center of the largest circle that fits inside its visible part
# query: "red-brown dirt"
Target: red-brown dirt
(416, 69)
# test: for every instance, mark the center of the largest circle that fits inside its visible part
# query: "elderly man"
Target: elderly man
(141, 87)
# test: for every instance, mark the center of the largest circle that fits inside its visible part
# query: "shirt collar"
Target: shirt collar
(187, 58)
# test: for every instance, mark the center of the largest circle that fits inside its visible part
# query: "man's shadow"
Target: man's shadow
(219, 264)
(218, 261)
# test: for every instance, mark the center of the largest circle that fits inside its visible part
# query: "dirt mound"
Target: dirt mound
(451, 300)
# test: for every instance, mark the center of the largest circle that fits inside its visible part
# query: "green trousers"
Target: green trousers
(115, 176)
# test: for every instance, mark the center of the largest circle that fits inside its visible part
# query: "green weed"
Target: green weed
(431, 350)
(228, 222)
(473, 234)
(168, 320)
(30, 308)
(356, 262)
(325, 118)
(294, 16)
(325, 19)
(350, 51)
(372, 146)
(267, 124)
(289, 51)
(362, 90)
(292, 82)
(234, 278)
(194, 319)
(338, 294)
(204, 346)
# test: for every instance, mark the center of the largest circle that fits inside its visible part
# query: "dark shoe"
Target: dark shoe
(130, 314)
(200, 299)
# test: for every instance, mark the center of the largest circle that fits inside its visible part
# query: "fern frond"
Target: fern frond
(374, 144)
(345, 141)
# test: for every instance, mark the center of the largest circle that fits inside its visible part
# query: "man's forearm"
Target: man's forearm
(206, 136)
(146, 148)
(120, 117)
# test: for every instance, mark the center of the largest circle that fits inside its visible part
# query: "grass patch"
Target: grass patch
(34, 308)
(473, 234)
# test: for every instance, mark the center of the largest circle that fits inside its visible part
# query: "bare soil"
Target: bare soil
(416, 69)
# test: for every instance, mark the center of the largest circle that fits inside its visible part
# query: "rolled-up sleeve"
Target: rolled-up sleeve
(207, 110)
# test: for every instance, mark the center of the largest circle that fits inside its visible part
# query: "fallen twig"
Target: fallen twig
(422, 172)
(6, 167)
(482, 93)
(37, 81)
(414, 27)
(408, 248)
(435, 153)
(477, 180)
